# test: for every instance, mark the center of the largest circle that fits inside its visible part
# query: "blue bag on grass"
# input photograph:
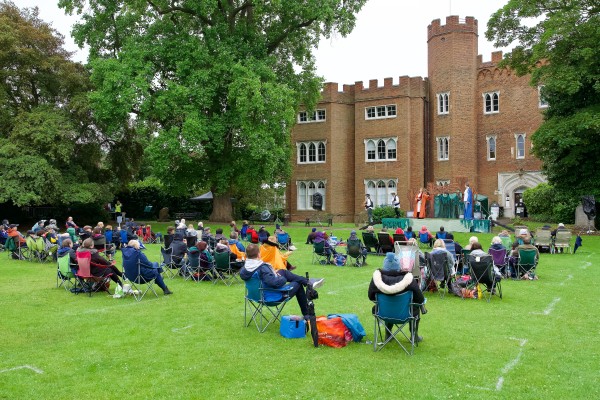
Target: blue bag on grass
(353, 324)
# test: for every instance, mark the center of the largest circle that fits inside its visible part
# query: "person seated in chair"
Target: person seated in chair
(16, 235)
(100, 242)
(179, 248)
(408, 233)
(477, 251)
(442, 234)
(559, 228)
(392, 280)
(385, 231)
(425, 236)
(148, 270)
(328, 250)
(440, 247)
(277, 279)
(208, 237)
(353, 240)
(100, 266)
(219, 235)
(71, 224)
(66, 250)
(472, 241)
(236, 247)
(270, 253)
(190, 231)
(85, 232)
(251, 234)
(399, 231)
(263, 234)
(515, 257)
(244, 230)
(223, 247)
(311, 236)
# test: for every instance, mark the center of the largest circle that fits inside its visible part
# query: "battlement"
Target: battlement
(453, 24)
(496, 58)
(406, 87)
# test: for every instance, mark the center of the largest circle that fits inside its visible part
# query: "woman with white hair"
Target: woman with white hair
(472, 239)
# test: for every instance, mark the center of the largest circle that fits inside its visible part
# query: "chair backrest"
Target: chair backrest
(319, 248)
(191, 241)
(563, 238)
(409, 235)
(64, 265)
(424, 237)
(283, 238)
(167, 255)
(194, 259)
(506, 242)
(123, 236)
(399, 237)
(465, 253)
(262, 236)
(253, 286)
(109, 236)
(353, 248)
(168, 240)
(369, 239)
(394, 308)
(30, 241)
(148, 233)
(84, 261)
(441, 235)
(384, 240)
(449, 243)
(240, 255)
(498, 256)
(222, 260)
(438, 267)
(10, 244)
(481, 268)
(527, 256)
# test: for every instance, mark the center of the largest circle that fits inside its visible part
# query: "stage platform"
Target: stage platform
(433, 224)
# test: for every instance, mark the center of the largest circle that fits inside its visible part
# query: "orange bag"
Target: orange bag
(332, 332)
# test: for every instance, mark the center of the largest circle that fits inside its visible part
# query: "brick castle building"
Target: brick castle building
(467, 121)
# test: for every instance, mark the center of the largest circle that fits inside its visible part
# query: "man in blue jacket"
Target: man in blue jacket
(271, 278)
(148, 270)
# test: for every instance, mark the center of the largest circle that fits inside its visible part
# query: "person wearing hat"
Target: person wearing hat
(269, 253)
(14, 233)
(391, 280)
(353, 240)
(396, 204)
(369, 207)
(560, 227)
(311, 236)
(263, 234)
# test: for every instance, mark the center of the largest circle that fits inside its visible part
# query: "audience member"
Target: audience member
(353, 240)
(311, 236)
(441, 234)
(100, 266)
(148, 270)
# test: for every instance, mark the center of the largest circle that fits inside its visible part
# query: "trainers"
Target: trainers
(316, 283)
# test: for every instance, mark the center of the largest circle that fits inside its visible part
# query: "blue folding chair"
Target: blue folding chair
(283, 239)
(259, 301)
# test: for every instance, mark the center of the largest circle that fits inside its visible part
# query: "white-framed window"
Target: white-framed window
(381, 190)
(379, 112)
(443, 103)
(491, 147)
(520, 139)
(311, 152)
(491, 103)
(305, 117)
(381, 149)
(443, 148)
(542, 102)
(442, 182)
(306, 190)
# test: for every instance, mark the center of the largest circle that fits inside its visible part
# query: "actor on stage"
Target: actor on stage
(369, 207)
(468, 200)
(420, 210)
(396, 204)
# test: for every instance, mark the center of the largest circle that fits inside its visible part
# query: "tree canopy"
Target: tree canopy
(214, 85)
(557, 42)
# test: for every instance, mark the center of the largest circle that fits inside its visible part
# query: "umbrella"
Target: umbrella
(312, 294)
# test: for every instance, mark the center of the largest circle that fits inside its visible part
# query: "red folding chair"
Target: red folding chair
(89, 282)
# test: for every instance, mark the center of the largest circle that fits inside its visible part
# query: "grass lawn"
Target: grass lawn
(540, 341)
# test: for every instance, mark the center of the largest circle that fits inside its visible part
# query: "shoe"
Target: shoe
(316, 283)
(418, 339)
(167, 292)
(290, 267)
(293, 248)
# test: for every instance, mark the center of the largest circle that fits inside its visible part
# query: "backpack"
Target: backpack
(340, 260)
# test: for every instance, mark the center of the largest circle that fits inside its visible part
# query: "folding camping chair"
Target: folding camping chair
(16, 249)
(543, 239)
(283, 239)
(259, 301)
(408, 254)
(451, 247)
(64, 276)
(500, 258)
(169, 266)
(385, 246)
(392, 315)
(438, 271)
(481, 269)
(89, 282)
(424, 240)
(354, 253)
(527, 262)
(37, 249)
(191, 241)
(223, 270)
(319, 255)
(370, 241)
(399, 237)
(506, 241)
(136, 279)
(562, 240)
(465, 262)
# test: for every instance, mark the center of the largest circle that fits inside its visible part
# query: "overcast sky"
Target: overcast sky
(390, 38)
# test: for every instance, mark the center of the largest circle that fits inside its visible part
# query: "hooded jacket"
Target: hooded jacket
(394, 282)
(266, 273)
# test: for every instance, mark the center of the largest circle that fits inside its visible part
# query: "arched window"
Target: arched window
(321, 189)
(321, 155)
(302, 153)
(312, 153)
(302, 196)
(392, 186)
(391, 149)
(520, 146)
(370, 150)
(491, 148)
(381, 150)
(381, 194)
(371, 190)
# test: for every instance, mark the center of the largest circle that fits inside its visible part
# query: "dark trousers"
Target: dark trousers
(297, 283)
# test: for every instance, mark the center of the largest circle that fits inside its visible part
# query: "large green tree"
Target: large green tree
(214, 84)
(558, 43)
(51, 150)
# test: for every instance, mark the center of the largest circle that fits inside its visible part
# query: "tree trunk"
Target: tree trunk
(222, 210)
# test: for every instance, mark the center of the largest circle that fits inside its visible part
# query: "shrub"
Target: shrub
(385, 212)
(545, 204)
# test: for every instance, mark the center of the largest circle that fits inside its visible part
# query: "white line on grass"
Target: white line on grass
(34, 369)
(511, 364)
(548, 309)
(181, 329)
(585, 265)
(569, 277)
(348, 287)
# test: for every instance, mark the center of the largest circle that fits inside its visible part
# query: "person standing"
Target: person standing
(420, 210)
(468, 200)
(369, 207)
(396, 204)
